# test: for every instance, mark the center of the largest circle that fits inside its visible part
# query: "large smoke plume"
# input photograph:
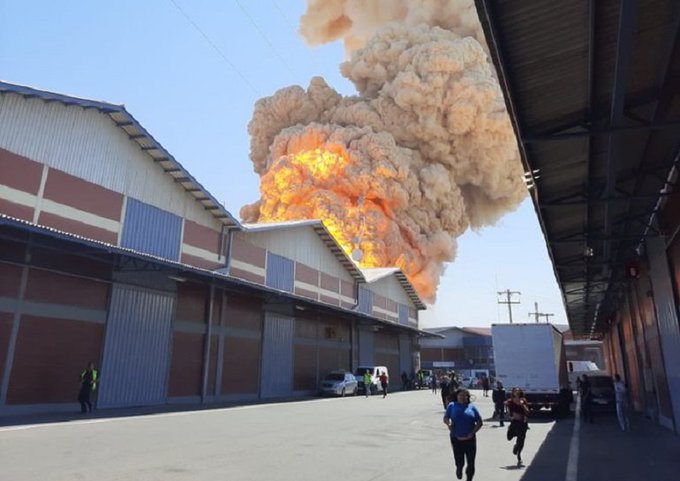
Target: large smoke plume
(423, 152)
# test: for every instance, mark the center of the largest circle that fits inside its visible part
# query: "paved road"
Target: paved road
(398, 438)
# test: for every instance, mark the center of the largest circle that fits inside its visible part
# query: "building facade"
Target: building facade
(463, 349)
(111, 252)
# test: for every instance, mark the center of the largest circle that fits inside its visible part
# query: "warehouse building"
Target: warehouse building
(111, 251)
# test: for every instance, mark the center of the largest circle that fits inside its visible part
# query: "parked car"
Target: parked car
(339, 383)
(602, 389)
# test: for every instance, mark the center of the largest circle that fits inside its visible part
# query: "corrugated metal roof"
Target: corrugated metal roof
(126, 122)
(591, 89)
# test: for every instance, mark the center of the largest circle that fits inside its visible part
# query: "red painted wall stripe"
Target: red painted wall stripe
(200, 262)
(248, 276)
(43, 286)
(16, 210)
(246, 252)
(329, 300)
(305, 293)
(19, 172)
(379, 301)
(347, 288)
(49, 356)
(78, 228)
(200, 236)
(330, 283)
(81, 194)
(306, 274)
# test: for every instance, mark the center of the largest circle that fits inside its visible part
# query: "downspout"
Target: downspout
(206, 349)
(230, 239)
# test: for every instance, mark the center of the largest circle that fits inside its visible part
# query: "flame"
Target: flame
(325, 164)
(423, 151)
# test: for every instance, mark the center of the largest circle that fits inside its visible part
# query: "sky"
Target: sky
(190, 73)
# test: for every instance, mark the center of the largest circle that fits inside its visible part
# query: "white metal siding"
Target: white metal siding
(391, 288)
(87, 144)
(277, 356)
(302, 245)
(137, 348)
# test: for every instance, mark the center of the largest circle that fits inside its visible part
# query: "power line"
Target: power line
(216, 48)
(264, 37)
(295, 33)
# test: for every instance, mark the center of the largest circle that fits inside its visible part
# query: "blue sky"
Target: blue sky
(195, 95)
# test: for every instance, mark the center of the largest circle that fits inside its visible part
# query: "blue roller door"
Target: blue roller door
(277, 356)
(136, 359)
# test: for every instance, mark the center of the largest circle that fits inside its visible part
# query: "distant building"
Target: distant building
(463, 349)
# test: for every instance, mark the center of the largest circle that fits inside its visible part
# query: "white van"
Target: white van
(375, 372)
(578, 368)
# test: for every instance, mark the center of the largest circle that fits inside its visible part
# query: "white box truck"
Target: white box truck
(532, 357)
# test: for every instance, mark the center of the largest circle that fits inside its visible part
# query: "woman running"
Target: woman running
(519, 416)
(463, 420)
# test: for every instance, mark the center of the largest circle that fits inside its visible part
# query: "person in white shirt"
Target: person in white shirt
(621, 393)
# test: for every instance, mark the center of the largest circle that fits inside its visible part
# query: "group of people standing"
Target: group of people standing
(464, 421)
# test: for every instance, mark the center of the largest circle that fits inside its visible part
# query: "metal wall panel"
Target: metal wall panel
(137, 344)
(667, 319)
(151, 230)
(391, 288)
(403, 314)
(88, 145)
(405, 355)
(277, 356)
(280, 272)
(365, 304)
(366, 347)
(302, 245)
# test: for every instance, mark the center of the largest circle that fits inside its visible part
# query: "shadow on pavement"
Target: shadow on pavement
(648, 452)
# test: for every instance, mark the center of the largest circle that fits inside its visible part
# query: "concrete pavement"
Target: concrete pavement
(399, 438)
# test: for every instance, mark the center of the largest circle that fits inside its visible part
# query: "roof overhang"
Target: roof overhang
(593, 94)
(94, 249)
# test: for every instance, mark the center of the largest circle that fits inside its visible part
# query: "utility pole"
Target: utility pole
(536, 314)
(547, 316)
(508, 300)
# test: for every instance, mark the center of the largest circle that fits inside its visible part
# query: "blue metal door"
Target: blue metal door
(277, 356)
(136, 359)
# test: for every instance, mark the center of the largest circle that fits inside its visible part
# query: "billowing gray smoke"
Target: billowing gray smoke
(423, 152)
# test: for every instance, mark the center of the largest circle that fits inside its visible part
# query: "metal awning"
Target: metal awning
(593, 92)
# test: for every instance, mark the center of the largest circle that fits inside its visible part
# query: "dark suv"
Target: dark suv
(602, 389)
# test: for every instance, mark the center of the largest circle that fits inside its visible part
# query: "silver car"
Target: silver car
(339, 383)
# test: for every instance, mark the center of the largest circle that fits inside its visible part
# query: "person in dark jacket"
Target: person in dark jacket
(485, 385)
(498, 398)
(586, 400)
(88, 383)
(445, 389)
